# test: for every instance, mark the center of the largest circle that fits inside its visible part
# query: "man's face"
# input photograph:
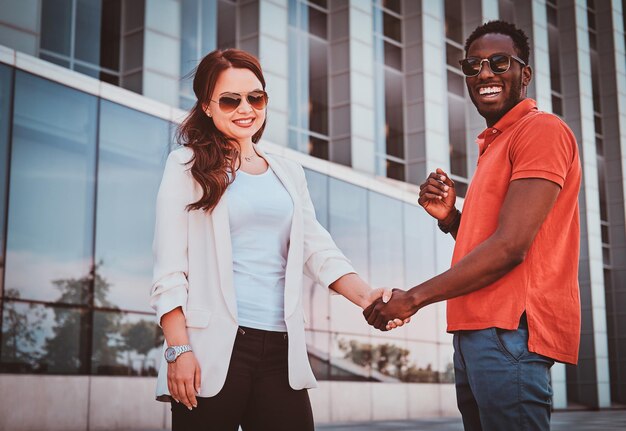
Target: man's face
(495, 94)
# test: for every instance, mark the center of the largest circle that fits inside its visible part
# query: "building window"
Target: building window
(388, 51)
(555, 58)
(308, 77)
(100, 38)
(457, 124)
(6, 99)
(205, 25)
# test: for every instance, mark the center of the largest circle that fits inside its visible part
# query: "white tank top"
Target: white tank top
(260, 212)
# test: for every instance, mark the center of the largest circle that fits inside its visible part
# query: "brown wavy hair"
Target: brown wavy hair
(214, 154)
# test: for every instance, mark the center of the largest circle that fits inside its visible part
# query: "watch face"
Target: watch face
(170, 354)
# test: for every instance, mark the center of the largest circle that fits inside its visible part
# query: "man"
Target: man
(512, 290)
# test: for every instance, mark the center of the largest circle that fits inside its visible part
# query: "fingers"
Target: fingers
(191, 393)
(197, 380)
(434, 188)
(386, 295)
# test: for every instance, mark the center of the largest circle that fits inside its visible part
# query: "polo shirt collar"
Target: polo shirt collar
(513, 116)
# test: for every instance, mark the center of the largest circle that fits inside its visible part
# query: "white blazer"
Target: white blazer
(193, 270)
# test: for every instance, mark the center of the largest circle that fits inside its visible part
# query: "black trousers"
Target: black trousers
(256, 394)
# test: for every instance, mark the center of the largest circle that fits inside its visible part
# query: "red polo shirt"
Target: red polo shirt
(526, 143)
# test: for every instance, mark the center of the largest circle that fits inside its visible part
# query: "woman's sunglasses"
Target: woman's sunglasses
(499, 63)
(228, 102)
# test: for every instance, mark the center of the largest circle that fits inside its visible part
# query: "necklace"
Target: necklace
(250, 157)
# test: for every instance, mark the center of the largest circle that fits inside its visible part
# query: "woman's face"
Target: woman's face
(243, 121)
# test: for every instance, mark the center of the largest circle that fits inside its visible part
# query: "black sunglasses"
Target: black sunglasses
(499, 63)
(228, 102)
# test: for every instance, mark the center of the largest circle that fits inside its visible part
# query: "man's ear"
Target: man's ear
(527, 75)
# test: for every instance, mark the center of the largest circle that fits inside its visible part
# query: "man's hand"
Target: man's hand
(383, 316)
(384, 295)
(437, 195)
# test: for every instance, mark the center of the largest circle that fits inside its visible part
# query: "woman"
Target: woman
(235, 231)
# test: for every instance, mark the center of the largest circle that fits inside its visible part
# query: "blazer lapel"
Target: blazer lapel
(293, 270)
(221, 232)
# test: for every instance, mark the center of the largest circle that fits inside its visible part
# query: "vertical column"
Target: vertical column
(161, 55)
(540, 55)
(435, 87)
(273, 54)
(612, 76)
(358, 74)
(583, 385)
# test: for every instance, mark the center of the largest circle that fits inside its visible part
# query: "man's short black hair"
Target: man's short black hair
(520, 40)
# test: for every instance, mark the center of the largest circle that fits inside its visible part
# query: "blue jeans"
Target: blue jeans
(500, 385)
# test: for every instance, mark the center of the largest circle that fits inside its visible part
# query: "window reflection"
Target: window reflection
(40, 339)
(50, 221)
(350, 357)
(394, 113)
(6, 90)
(125, 344)
(128, 179)
(386, 241)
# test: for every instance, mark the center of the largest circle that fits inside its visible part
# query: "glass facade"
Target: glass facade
(84, 173)
(388, 52)
(308, 71)
(99, 38)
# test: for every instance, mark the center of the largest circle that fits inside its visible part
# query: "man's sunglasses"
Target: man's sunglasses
(499, 63)
(228, 102)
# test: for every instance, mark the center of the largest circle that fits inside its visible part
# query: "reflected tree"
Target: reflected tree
(388, 359)
(91, 331)
(141, 337)
(20, 330)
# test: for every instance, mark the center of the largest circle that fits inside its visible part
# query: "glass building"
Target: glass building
(367, 95)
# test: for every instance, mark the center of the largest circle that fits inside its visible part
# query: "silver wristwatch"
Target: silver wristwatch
(173, 352)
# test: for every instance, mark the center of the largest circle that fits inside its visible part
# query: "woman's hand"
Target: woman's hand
(183, 379)
(385, 295)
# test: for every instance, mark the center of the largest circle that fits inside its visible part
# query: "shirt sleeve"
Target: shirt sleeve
(544, 148)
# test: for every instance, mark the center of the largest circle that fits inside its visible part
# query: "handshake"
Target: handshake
(389, 309)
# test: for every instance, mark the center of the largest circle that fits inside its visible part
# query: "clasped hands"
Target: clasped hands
(390, 311)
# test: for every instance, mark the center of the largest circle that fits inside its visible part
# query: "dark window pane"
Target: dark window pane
(6, 90)
(454, 20)
(597, 122)
(56, 26)
(395, 170)
(599, 146)
(605, 234)
(393, 56)
(557, 105)
(318, 148)
(591, 20)
(456, 130)
(318, 86)
(111, 35)
(461, 188)
(50, 225)
(394, 5)
(55, 60)
(392, 27)
(552, 15)
(507, 10)
(39, 339)
(394, 110)
(453, 55)
(555, 63)
(227, 25)
(133, 51)
(592, 40)
(318, 23)
(128, 179)
(125, 344)
(322, 3)
(456, 84)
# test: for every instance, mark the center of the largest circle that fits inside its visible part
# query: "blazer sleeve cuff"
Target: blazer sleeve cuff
(166, 298)
(332, 270)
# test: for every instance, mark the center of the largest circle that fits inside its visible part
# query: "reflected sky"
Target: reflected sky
(50, 222)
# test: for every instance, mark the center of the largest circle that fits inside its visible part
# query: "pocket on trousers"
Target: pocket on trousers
(513, 344)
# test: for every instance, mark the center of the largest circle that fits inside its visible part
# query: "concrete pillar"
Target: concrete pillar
(583, 381)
